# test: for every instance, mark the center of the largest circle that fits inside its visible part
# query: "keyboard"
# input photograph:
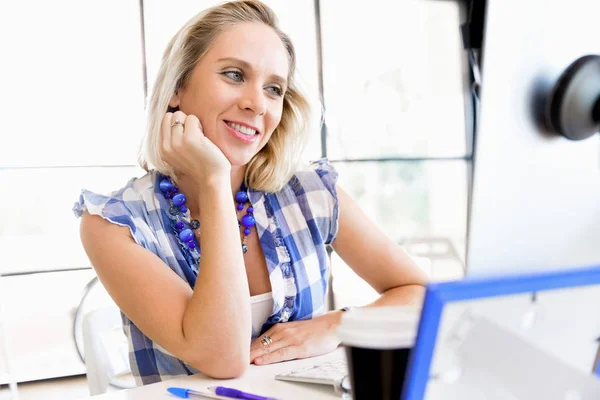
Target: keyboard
(329, 373)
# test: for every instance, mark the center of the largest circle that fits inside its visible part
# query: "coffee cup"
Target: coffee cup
(378, 342)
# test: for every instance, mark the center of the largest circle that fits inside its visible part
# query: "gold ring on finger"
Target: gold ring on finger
(177, 122)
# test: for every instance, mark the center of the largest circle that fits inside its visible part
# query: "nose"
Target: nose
(253, 99)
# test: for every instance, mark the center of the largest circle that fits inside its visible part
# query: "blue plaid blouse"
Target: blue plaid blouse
(294, 227)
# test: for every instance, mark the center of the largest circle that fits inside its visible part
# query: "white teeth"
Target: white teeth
(243, 129)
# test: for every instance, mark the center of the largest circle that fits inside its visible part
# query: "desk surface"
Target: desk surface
(257, 380)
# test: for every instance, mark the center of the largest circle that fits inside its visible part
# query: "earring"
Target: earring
(172, 109)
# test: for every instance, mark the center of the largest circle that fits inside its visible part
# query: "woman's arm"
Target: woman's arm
(208, 327)
(376, 259)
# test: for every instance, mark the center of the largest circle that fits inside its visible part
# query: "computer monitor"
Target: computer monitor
(535, 201)
(483, 338)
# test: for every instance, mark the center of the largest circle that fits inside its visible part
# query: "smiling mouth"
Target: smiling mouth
(242, 129)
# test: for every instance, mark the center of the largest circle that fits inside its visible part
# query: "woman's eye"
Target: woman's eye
(275, 90)
(234, 75)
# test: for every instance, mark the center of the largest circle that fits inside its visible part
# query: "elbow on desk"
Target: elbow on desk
(226, 357)
(223, 367)
(230, 372)
(221, 371)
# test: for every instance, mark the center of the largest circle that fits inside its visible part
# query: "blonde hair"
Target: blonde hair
(272, 167)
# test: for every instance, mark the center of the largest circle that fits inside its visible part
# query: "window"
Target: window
(396, 127)
(75, 120)
(404, 101)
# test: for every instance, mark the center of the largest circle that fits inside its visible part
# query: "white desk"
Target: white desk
(257, 380)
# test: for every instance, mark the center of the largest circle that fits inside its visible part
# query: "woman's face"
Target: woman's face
(236, 90)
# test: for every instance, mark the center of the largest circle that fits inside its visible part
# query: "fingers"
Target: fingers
(258, 349)
(177, 130)
(165, 136)
(178, 116)
(193, 125)
(276, 332)
(283, 354)
(185, 148)
(171, 134)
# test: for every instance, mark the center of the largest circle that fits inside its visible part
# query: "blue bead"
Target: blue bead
(247, 231)
(241, 197)
(186, 235)
(240, 207)
(192, 245)
(179, 199)
(248, 221)
(168, 195)
(183, 209)
(165, 185)
(179, 225)
(175, 190)
(195, 224)
(250, 210)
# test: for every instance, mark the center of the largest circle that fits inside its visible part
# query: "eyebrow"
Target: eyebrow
(279, 79)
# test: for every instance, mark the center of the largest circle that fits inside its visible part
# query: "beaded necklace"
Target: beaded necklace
(184, 226)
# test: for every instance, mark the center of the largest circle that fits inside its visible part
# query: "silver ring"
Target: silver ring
(177, 122)
(266, 340)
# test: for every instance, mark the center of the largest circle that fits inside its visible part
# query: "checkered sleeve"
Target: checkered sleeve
(135, 207)
(114, 208)
(325, 198)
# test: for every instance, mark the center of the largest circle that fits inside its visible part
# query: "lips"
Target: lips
(241, 132)
(243, 128)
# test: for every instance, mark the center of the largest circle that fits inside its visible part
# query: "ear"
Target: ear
(174, 103)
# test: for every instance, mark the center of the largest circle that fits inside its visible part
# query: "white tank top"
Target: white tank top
(262, 308)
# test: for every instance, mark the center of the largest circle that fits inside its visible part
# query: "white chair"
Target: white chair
(5, 370)
(106, 351)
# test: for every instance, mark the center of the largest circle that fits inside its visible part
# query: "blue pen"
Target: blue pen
(186, 393)
(236, 394)
(220, 392)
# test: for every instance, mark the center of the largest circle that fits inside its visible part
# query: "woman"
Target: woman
(226, 122)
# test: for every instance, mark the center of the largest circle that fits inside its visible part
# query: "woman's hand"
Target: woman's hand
(297, 339)
(188, 151)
